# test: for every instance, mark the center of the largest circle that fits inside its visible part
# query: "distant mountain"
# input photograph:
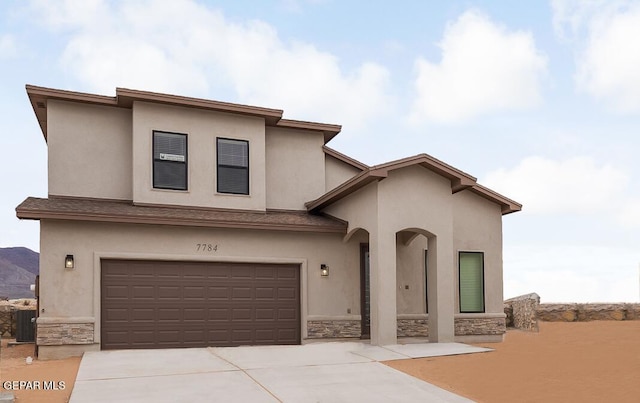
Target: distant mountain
(18, 269)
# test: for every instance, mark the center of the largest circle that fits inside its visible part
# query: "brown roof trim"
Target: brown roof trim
(344, 158)
(508, 206)
(329, 131)
(38, 97)
(357, 182)
(126, 97)
(459, 180)
(117, 211)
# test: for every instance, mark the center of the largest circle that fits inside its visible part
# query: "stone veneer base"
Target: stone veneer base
(319, 329)
(58, 334)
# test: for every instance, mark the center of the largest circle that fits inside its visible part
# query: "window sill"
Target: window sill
(170, 190)
(231, 194)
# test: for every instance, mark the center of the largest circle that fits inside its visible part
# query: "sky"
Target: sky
(539, 100)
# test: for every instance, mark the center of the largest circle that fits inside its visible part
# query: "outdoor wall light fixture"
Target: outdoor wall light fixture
(68, 262)
(324, 270)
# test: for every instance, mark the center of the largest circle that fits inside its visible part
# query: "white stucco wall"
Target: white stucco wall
(202, 128)
(295, 171)
(89, 150)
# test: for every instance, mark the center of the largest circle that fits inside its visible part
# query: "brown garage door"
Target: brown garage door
(153, 304)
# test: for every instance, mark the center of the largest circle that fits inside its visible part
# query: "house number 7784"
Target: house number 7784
(206, 247)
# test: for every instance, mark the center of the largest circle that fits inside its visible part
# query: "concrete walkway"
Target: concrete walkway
(319, 372)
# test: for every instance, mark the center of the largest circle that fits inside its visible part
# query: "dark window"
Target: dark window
(169, 160)
(471, 278)
(426, 280)
(233, 166)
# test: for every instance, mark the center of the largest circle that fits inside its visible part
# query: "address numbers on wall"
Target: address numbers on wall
(206, 247)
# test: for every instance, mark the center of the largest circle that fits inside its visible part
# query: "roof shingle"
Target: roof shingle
(83, 209)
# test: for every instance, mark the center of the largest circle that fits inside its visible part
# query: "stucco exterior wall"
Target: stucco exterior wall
(359, 209)
(337, 172)
(294, 167)
(202, 128)
(417, 199)
(74, 295)
(477, 227)
(89, 150)
(410, 276)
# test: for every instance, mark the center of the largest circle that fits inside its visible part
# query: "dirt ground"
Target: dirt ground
(564, 362)
(13, 367)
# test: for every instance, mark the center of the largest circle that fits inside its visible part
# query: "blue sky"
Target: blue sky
(539, 100)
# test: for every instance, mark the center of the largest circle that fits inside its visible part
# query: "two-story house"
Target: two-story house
(182, 222)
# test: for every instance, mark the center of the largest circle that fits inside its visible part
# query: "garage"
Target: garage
(166, 304)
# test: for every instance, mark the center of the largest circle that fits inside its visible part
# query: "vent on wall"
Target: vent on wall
(41, 105)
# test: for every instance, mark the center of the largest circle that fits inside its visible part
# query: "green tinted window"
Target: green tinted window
(471, 281)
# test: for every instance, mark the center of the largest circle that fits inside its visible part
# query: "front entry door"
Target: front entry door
(365, 301)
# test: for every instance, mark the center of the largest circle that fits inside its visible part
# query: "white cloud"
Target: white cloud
(607, 56)
(576, 185)
(188, 48)
(572, 273)
(609, 68)
(629, 213)
(571, 16)
(65, 13)
(484, 68)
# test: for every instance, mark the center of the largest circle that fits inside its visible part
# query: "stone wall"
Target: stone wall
(521, 312)
(57, 334)
(479, 326)
(7, 321)
(320, 329)
(587, 312)
(413, 327)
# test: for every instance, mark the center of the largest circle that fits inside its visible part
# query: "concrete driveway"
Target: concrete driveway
(319, 372)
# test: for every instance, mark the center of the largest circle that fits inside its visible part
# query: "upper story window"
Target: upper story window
(169, 160)
(233, 166)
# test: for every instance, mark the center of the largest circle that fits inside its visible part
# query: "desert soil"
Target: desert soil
(564, 362)
(13, 367)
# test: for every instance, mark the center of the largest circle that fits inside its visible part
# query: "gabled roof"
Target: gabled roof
(38, 96)
(459, 181)
(118, 211)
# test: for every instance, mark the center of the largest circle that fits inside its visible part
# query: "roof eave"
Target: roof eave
(507, 205)
(329, 131)
(38, 97)
(126, 97)
(344, 158)
(357, 182)
(27, 214)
